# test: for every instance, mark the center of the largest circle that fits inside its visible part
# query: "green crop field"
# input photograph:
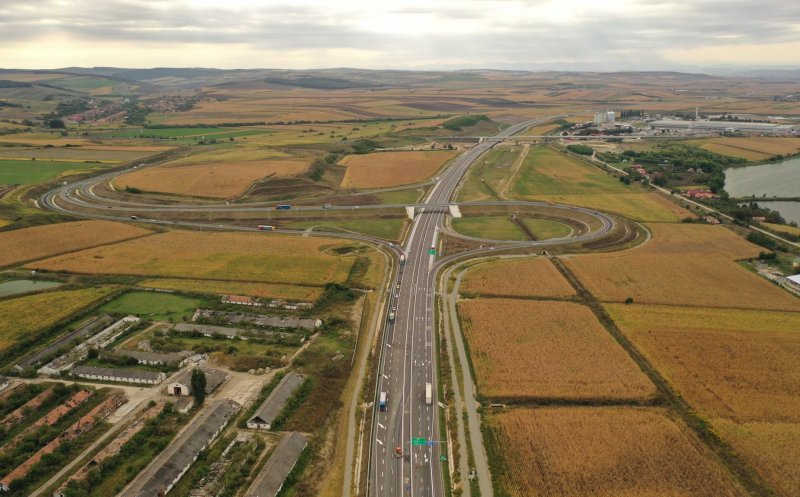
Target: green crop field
(494, 227)
(547, 172)
(155, 306)
(26, 172)
(545, 228)
(407, 196)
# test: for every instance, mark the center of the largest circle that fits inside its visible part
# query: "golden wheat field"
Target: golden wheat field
(772, 449)
(45, 241)
(26, 316)
(517, 278)
(683, 264)
(220, 256)
(528, 348)
(601, 452)
(265, 290)
(728, 363)
(385, 169)
(224, 180)
(783, 228)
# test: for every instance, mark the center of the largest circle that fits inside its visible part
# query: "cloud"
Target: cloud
(306, 33)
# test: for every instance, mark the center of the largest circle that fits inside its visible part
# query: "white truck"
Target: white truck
(428, 393)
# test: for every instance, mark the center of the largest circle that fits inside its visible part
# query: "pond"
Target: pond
(781, 179)
(14, 287)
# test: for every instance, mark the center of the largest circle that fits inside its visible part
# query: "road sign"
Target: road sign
(432, 251)
(418, 441)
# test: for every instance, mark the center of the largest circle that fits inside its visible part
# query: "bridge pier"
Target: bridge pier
(454, 210)
(410, 211)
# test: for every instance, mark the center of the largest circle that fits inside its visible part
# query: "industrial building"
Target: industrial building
(118, 375)
(165, 471)
(722, 126)
(181, 385)
(270, 480)
(155, 358)
(608, 116)
(272, 406)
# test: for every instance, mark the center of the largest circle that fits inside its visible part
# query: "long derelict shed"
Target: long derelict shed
(272, 476)
(273, 404)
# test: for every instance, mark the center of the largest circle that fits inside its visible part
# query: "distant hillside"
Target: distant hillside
(320, 83)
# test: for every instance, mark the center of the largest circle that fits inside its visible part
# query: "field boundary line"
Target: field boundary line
(741, 473)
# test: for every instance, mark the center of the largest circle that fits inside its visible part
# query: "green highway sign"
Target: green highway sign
(418, 441)
(432, 251)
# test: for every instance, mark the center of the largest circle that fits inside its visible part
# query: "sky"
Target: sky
(406, 34)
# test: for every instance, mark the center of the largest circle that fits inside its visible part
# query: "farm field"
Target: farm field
(728, 363)
(548, 172)
(517, 278)
(26, 172)
(25, 317)
(750, 148)
(220, 256)
(389, 229)
(264, 290)
(684, 264)
(189, 132)
(648, 207)
(772, 449)
(576, 358)
(490, 227)
(113, 155)
(783, 228)
(208, 180)
(600, 452)
(154, 306)
(386, 169)
(28, 244)
(486, 179)
(554, 177)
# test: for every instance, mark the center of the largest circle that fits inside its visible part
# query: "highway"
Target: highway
(408, 359)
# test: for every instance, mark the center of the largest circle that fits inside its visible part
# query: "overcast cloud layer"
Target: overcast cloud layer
(607, 34)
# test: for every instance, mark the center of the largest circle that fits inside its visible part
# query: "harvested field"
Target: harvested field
(517, 278)
(772, 449)
(750, 148)
(575, 357)
(727, 363)
(684, 264)
(489, 227)
(45, 241)
(208, 180)
(25, 317)
(600, 452)
(220, 256)
(385, 169)
(265, 290)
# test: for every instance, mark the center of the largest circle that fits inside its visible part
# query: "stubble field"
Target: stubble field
(684, 264)
(265, 290)
(29, 244)
(532, 349)
(517, 278)
(601, 452)
(220, 256)
(386, 169)
(750, 148)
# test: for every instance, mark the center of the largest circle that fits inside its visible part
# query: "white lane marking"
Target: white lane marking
(389, 345)
(383, 427)
(379, 441)
(386, 377)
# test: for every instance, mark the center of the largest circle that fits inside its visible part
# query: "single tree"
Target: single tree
(198, 386)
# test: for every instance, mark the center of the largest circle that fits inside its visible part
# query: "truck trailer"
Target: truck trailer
(382, 403)
(428, 393)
